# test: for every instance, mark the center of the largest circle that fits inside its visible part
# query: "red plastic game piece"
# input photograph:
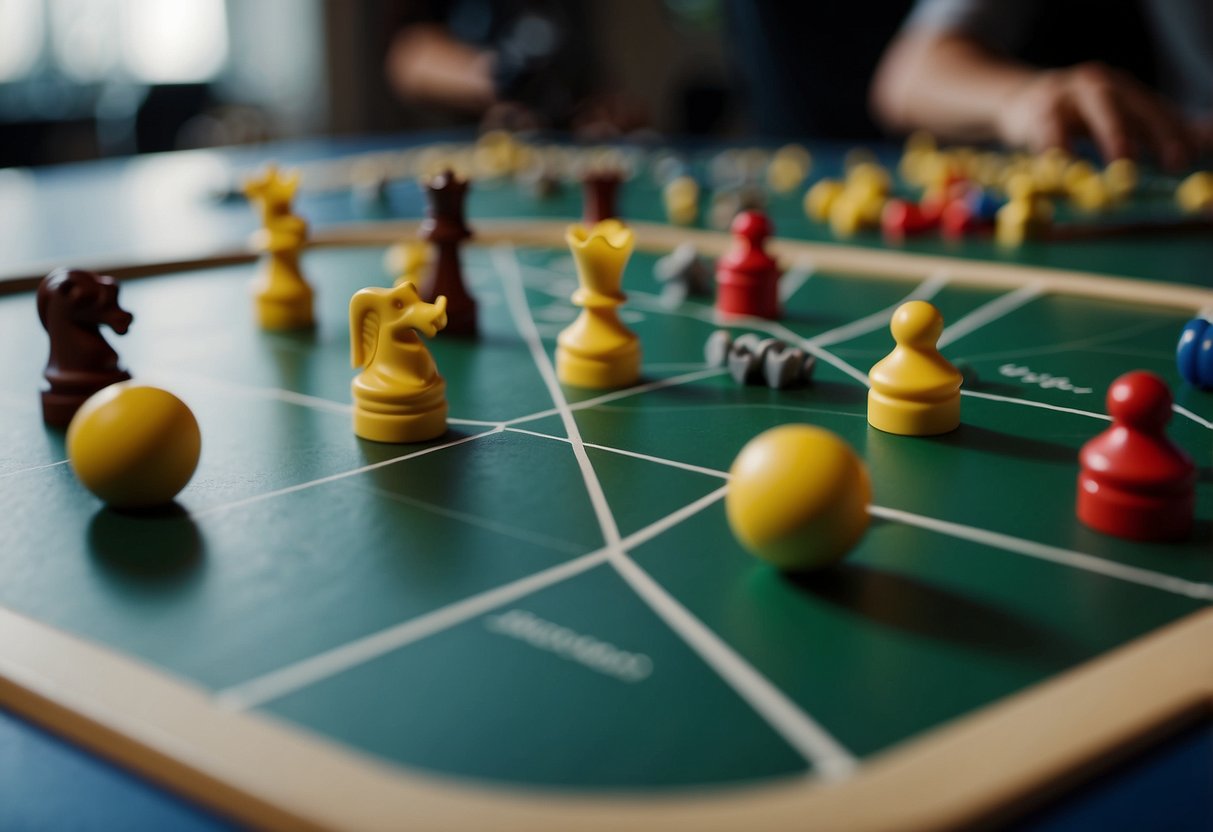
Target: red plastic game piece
(901, 218)
(446, 229)
(747, 278)
(1134, 482)
(960, 220)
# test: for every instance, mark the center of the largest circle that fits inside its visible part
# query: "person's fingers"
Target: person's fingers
(1098, 102)
(1171, 140)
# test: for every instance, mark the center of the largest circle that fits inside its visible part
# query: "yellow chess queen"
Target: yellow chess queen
(399, 395)
(915, 390)
(597, 350)
(282, 296)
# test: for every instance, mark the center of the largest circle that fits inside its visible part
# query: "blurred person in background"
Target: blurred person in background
(1133, 76)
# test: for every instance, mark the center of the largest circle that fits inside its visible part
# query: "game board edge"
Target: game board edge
(838, 257)
(261, 771)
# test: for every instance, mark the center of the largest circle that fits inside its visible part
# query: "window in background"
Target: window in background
(22, 34)
(184, 41)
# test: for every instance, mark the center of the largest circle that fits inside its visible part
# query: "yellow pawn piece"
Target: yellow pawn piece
(1091, 194)
(819, 199)
(1195, 194)
(1121, 177)
(915, 390)
(798, 497)
(398, 396)
(788, 168)
(134, 446)
(681, 198)
(408, 261)
(597, 350)
(283, 298)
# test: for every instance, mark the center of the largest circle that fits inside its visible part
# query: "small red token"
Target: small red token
(1134, 482)
(747, 278)
(959, 220)
(901, 219)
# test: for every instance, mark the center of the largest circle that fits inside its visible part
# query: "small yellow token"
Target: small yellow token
(820, 198)
(134, 446)
(798, 497)
(1195, 194)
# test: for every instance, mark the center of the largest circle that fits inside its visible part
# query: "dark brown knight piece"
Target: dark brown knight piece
(72, 304)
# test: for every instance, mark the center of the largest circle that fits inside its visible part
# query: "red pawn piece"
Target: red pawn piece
(901, 218)
(747, 278)
(445, 228)
(1134, 482)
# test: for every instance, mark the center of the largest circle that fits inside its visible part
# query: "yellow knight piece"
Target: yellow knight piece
(282, 296)
(915, 390)
(399, 395)
(597, 350)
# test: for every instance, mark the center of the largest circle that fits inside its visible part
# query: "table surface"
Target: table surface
(916, 609)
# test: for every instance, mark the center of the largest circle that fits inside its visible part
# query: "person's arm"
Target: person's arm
(950, 84)
(424, 63)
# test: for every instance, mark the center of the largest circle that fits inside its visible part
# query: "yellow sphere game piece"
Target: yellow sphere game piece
(134, 446)
(819, 199)
(1195, 194)
(915, 390)
(798, 497)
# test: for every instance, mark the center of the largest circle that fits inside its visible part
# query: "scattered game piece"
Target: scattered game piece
(597, 350)
(283, 297)
(820, 198)
(915, 390)
(681, 199)
(798, 497)
(683, 273)
(72, 305)
(788, 168)
(744, 366)
(754, 360)
(1026, 215)
(444, 227)
(746, 276)
(134, 446)
(1194, 354)
(600, 189)
(1134, 482)
(399, 395)
(408, 262)
(716, 349)
(1195, 194)
(1091, 194)
(787, 367)
(1121, 177)
(902, 218)
(959, 219)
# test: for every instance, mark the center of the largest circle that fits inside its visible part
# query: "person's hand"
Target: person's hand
(1123, 117)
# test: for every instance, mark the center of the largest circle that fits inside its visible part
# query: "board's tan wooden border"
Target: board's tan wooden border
(996, 761)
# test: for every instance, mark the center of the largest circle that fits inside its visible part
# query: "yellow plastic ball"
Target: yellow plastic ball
(134, 446)
(798, 497)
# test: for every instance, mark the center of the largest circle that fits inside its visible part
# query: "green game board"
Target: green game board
(464, 612)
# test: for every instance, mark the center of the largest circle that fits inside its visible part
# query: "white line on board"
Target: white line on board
(829, 759)
(1188, 414)
(303, 486)
(989, 312)
(33, 468)
(627, 392)
(673, 463)
(793, 280)
(510, 270)
(1029, 403)
(1066, 557)
(926, 290)
(293, 677)
(286, 680)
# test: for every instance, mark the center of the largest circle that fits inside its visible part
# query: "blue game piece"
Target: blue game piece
(1194, 355)
(983, 205)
